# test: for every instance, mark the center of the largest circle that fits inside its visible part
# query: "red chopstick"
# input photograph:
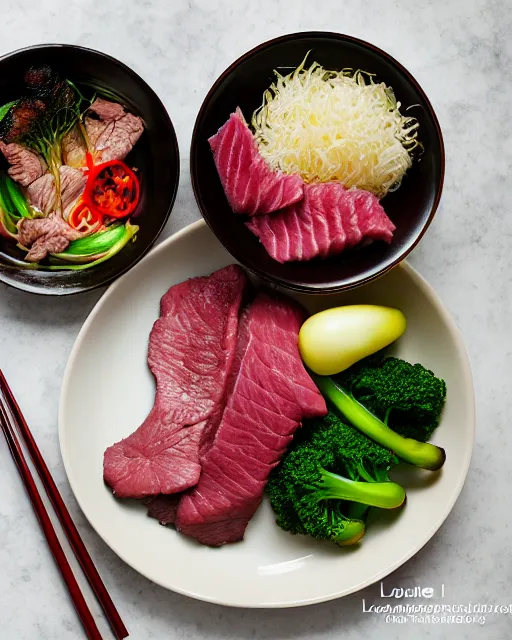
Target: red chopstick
(67, 523)
(49, 531)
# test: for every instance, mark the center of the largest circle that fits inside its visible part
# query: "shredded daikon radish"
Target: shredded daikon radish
(330, 125)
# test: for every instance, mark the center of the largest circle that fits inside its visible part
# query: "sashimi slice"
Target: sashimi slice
(327, 221)
(250, 185)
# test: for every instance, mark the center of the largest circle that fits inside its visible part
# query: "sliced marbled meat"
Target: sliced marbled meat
(191, 350)
(26, 165)
(269, 394)
(327, 221)
(250, 185)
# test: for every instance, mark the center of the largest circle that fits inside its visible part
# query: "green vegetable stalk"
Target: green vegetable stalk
(17, 200)
(421, 454)
(94, 249)
(12, 201)
(386, 495)
(4, 109)
(7, 223)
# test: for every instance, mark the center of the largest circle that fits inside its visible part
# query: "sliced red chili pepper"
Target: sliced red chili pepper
(112, 188)
(85, 219)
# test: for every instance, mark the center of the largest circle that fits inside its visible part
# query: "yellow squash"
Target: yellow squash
(334, 339)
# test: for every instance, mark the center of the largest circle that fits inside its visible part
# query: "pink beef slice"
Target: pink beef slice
(250, 185)
(26, 166)
(327, 221)
(163, 508)
(72, 185)
(115, 133)
(42, 194)
(269, 394)
(45, 235)
(191, 349)
(74, 149)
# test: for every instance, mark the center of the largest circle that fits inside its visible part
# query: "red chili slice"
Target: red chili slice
(112, 188)
(85, 219)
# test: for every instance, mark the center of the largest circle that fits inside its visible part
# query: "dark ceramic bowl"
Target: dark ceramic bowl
(411, 207)
(155, 155)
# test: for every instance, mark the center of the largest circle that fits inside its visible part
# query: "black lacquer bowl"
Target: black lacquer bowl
(155, 155)
(411, 207)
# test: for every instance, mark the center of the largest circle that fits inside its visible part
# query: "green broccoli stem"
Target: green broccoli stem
(352, 533)
(386, 495)
(420, 454)
(357, 511)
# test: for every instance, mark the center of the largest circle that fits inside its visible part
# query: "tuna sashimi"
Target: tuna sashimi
(328, 220)
(191, 350)
(269, 394)
(250, 185)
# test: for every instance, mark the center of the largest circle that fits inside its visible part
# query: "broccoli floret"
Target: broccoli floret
(408, 398)
(326, 470)
(421, 454)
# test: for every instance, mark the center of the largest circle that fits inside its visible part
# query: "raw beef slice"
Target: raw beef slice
(163, 508)
(327, 221)
(269, 394)
(250, 185)
(191, 349)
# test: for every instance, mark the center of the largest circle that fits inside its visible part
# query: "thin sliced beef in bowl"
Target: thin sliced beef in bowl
(26, 165)
(74, 149)
(72, 185)
(42, 194)
(45, 235)
(112, 131)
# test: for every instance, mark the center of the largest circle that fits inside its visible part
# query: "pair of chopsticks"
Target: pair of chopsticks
(13, 423)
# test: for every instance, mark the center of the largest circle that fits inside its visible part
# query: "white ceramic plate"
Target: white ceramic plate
(108, 390)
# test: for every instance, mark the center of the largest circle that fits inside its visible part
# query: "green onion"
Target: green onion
(18, 199)
(5, 202)
(4, 110)
(7, 222)
(96, 242)
(12, 199)
(118, 242)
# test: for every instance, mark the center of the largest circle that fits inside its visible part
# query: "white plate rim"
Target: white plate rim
(468, 386)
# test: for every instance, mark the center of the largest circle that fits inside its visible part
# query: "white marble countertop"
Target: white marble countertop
(460, 52)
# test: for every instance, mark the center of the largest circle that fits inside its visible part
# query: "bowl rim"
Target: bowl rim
(283, 282)
(102, 282)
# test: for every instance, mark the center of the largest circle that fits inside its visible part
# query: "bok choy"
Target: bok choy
(96, 248)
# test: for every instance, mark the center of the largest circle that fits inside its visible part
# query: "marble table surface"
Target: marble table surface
(461, 53)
